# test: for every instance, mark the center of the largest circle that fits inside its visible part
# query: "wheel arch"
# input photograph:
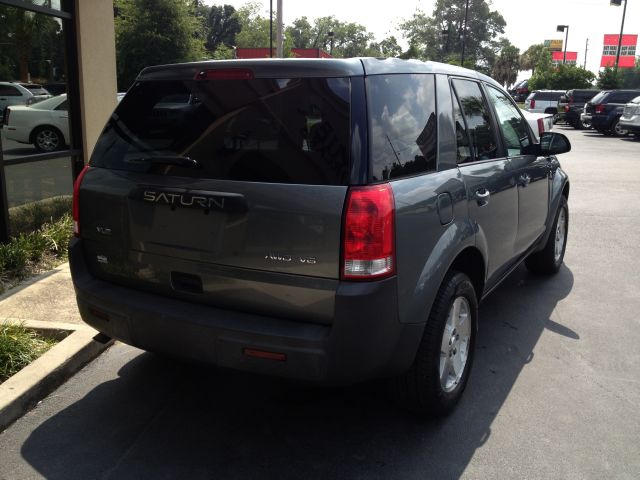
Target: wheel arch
(32, 135)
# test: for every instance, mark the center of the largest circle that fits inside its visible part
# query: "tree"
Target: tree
(507, 64)
(254, 28)
(609, 78)
(536, 57)
(348, 39)
(386, 48)
(222, 27)
(151, 32)
(439, 37)
(562, 77)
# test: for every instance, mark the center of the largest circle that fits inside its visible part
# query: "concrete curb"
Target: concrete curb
(25, 389)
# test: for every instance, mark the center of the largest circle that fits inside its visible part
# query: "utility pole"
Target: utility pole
(279, 38)
(586, 49)
(624, 12)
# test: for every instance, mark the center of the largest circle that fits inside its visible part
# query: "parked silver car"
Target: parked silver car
(544, 101)
(630, 119)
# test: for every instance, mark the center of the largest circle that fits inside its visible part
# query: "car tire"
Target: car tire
(584, 124)
(47, 139)
(433, 385)
(617, 130)
(549, 260)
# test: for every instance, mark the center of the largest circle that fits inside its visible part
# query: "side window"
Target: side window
(511, 123)
(402, 111)
(9, 91)
(482, 143)
(63, 106)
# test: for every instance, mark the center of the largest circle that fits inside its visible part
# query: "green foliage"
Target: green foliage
(151, 32)
(562, 77)
(608, 78)
(349, 39)
(222, 26)
(31, 45)
(439, 36)
(536, 58)
(31, 216)
(28, 253)
(254, 31)
(19, 347)
(506, 66)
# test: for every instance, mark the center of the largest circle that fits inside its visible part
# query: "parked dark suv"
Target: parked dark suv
(324, 220)
(605, 109)
(571, 106)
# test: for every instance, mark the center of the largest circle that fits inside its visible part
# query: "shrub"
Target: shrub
(19, 346)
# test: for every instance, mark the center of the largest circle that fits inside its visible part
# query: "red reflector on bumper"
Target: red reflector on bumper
(251, 352)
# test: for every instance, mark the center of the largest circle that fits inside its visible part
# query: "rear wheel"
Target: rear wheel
(435, 382)
(549, 259)
(47, 139)
(584, 124)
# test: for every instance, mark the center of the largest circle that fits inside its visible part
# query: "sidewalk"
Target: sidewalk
(48, 297)
(46, 303)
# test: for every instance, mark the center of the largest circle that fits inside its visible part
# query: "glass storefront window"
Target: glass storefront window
(35, 139)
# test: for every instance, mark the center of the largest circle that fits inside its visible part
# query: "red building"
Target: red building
(627, 51)
(297, 52)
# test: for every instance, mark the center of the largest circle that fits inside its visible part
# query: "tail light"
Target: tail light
(76, 201)
(532, 103)
(369, 233)
(566, 108)
(600, 108)
(225, 74)
(540, 126)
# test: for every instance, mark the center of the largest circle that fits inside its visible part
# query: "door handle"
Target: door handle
(482, 196)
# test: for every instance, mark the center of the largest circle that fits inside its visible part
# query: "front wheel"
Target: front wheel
(618, 130)
(548, 260)
(435, 382)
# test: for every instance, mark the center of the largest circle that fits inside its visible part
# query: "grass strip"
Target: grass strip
(19, 346)
(28, 254)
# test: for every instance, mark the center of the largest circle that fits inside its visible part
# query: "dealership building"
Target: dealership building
(69, 44)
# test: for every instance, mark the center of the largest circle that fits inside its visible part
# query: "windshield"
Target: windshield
(264, 130)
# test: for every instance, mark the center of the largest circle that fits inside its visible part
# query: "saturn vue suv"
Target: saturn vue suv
(330, 221)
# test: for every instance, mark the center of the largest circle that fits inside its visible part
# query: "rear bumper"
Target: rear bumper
(366, 339)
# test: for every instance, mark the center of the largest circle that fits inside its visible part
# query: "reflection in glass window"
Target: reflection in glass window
(482, 138)
(512, 125)
(403, 125)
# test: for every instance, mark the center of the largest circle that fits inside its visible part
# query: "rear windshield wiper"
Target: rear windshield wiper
(185, 162)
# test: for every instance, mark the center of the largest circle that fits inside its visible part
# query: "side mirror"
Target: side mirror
(552, 143)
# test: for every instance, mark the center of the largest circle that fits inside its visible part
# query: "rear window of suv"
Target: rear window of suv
(292, 130)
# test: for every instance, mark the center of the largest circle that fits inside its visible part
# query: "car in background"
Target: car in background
(539, 122)
(17, 93)
(605, 109)
(630, 119)
(544, 101)
(45, 124)
(56, 88)
(520, 91)
(571, 106)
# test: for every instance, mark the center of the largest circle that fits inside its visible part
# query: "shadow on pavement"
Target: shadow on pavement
(163, 419)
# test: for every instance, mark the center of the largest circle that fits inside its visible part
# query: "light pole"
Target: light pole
(464, 31)
(617, 3)
(562, 28)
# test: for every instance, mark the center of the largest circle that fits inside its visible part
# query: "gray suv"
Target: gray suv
(326, 220)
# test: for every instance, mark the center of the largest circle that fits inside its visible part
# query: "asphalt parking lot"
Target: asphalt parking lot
(554, 392)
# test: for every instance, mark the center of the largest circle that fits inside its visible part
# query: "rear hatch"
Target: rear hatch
(590, 106)
(226, 188)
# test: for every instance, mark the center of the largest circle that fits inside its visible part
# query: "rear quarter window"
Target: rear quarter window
(403, 125)
(289, 130)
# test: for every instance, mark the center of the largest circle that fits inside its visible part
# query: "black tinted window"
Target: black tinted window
(9, 91)
(583, 96)
(480, 142)
(621, 97)
(402, 110)
(548, 96)
(262, 130)
(513, 127)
